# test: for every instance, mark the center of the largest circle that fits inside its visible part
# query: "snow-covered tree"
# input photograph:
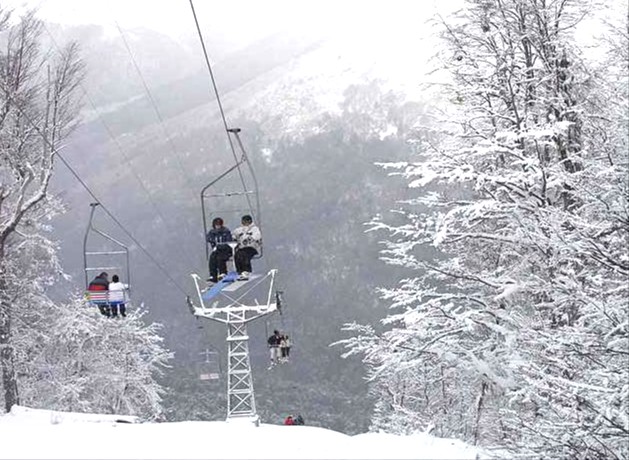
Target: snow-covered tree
(515, 330)
(59, 356)
(70, 357)
(37, 111)
(84, 362)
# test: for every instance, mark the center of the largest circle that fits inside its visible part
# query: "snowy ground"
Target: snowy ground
(29, 433)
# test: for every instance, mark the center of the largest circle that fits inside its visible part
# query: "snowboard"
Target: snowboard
(218, 287)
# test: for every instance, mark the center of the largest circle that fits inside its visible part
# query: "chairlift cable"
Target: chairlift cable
(91, 193)
(220, 105)
(157, 112)
(122, 227)
(110, 214)
(116, 142)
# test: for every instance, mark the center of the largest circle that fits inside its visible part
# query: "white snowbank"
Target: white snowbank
(20, 414)
(28, 433)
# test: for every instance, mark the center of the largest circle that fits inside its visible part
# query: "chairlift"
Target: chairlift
(231, 195)
(210, 367)
(109, 256)
(284, 323)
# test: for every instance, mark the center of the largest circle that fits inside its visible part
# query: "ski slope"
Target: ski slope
(32, 433)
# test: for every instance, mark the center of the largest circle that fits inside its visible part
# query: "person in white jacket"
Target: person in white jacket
(249, 241)
(117, 296)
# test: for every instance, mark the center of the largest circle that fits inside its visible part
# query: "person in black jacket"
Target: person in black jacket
(274, 346)
(218, 236)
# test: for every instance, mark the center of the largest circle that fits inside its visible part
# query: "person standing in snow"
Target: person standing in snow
(218, 236)
(289, 420)
(249, 241)
(117, 297)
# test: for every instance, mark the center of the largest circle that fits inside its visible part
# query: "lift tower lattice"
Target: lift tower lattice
(236, 315)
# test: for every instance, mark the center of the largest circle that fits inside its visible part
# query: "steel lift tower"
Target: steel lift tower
(241, 404)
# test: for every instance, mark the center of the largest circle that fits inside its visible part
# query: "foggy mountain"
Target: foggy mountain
(440, 195)
(314, 123)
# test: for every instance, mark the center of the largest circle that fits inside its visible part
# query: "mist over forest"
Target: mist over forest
(318, 182)
(443, 193)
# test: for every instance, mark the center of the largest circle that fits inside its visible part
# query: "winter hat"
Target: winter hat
(217, 222)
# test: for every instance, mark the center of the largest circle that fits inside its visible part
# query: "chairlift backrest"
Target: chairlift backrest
(97, 297)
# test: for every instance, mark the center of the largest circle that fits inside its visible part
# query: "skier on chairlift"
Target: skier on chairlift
(284, 348)
(117, 297)
(249, 241)
(100, 283)
(218, 236)
(274, 347)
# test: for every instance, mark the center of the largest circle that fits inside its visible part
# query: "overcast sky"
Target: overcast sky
(247, 19)
(394, 33)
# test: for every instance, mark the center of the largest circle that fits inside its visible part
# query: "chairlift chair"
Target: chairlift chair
(233, 301)
(231, 195)
(283, 323)
(210, 366)
(96, 261)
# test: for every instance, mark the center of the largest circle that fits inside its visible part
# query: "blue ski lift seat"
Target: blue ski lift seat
(218, 287)
(239, 283)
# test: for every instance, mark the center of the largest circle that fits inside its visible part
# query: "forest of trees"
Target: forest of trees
(508, 326)
(52, 355)
(515, 331)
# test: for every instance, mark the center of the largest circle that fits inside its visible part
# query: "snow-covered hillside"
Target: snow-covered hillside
(383, 46)
(32, 433)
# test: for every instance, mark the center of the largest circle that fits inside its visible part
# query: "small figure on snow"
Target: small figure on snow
(299, 420)
(117, 296)
(249, 241)
(289, 420)
(274, 347)
(100, 283)
(218, 236)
